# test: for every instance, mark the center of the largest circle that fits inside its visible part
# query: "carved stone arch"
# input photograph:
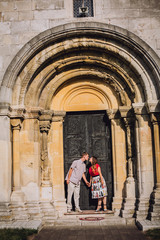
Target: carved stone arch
(78, 75)
(138, 54)
(38, 64)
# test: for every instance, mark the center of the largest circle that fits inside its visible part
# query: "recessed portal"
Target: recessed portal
(89, 131)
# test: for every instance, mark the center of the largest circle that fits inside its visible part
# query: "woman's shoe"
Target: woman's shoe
(105, 208)
(98, 210)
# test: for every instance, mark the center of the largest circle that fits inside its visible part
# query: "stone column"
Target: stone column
(155, 118)
(155, 200)
(118, 158)
(18, 199)
(58, 162)
(17, 195)
(129, 200)
(5, 163)
(142, 202)
(45, 124)
(44, 128)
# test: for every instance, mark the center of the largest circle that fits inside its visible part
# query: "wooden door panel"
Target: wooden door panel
(88, 131)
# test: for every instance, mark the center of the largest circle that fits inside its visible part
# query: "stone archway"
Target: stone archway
(110, 67)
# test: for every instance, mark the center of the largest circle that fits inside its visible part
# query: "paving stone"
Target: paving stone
(91, 232)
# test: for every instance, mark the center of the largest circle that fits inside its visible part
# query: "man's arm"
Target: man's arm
(69, 175)
(84, 178)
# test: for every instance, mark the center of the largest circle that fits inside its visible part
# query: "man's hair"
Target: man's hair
(84, 153)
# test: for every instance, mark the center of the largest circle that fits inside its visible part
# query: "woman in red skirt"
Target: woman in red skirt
(98, 189)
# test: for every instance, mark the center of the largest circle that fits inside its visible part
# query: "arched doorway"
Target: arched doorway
(86, 127)
(89, 131)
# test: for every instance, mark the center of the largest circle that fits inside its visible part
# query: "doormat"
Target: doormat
(92, 218)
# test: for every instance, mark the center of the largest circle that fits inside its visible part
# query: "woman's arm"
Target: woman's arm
(100, 174)
(90, 181)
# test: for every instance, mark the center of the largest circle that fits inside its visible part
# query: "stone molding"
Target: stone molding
(58, 116)
(78, 28)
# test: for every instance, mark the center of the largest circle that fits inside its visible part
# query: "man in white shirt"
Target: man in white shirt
(73, 178)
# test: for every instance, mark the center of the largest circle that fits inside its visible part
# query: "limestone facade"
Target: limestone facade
(61, 64)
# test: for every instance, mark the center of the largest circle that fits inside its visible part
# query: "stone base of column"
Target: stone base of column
(18, 205)
(116, 205)
(128, 206)
(46, 193)
(154, 211)
(19, 211)
(48, 213)
(142, 206)
(18, 196)
(60, 206)
(34, 210)
(5, 212)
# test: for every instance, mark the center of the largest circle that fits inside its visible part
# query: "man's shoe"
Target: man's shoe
(68, 210)
(78, 210)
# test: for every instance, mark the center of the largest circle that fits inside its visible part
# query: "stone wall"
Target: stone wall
(22, 20)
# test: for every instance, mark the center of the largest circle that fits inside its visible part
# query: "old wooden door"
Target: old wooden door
(89, 132)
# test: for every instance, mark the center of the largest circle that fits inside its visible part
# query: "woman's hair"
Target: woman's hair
(94, 162)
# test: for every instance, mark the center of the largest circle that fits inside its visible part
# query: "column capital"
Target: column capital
(112, 113)
(126, 111)
(138, 108)
(45, 126)
(155, 118)
(153, 106)
(45, 119)
(16, 123)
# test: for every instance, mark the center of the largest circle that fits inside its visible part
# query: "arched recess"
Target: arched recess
(115, 68)
(84, 94)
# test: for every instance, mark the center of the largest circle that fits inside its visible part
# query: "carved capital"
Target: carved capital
(138, 108)
(16, 124)
(112, 113)
(45, 126)
(125, 111)
(153, 106)
(155, 118)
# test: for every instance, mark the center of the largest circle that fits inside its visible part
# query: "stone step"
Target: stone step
(145, 225)
(90, 221)
(47, 211)
(33, 211)
(5, 213)
(155, 218)
(7, 218)
(153, 214)
(32, 224)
